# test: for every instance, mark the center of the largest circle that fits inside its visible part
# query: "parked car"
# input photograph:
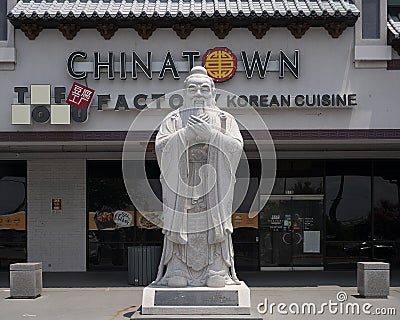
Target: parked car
(383, 250)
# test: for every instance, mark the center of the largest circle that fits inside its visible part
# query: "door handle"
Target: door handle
(284, 240)
(300, 237)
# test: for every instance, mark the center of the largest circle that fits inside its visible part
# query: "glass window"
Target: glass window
(299, 177)
(3, 20)
(371, 19)
(386, 200)
(12, 213)
(348, 200)
(114, 224)
(106, 195)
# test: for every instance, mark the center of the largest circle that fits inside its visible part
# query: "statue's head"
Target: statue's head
(199, 89)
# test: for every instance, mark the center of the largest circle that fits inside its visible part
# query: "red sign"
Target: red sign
(56, 205)
(80, 96)
(220, 63)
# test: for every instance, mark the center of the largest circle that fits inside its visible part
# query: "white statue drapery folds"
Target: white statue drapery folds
(198, 149)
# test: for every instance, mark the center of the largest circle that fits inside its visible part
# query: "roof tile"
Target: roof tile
(185, 7)
(394, 25)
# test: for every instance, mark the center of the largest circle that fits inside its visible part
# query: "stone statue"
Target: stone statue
(198, 149)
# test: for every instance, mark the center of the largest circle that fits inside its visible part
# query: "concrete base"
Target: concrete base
(254, 315)
(373, 279)
(25, 280)
(229, 300)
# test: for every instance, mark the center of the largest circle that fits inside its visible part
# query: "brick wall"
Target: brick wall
(57, 240)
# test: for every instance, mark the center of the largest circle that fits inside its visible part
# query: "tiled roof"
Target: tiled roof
(122, 9)
(394, 25)
(145, 16)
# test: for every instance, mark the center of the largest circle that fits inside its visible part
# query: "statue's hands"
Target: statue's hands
(200, 126)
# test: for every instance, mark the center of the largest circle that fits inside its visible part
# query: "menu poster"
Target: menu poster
(244, 220)
(13, 221)
(149, 220)
(275, 223)
(308, 223)
(312, 242)
(111, 220)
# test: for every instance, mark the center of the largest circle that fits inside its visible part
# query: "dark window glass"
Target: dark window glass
(3, 20)
(299, 177)
(108, 241)
(245, 245)
(12, 213)
(105, 187)
(348, 200)
(386, 200)
(371, 19)
(106, 193)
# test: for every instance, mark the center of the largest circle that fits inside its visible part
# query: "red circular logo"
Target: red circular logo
(221, 64)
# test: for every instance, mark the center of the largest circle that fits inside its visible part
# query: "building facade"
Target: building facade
(322, 74)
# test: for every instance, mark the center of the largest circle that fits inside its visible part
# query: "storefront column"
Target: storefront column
(57, 238)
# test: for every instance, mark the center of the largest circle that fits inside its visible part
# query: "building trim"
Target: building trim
(340, 134)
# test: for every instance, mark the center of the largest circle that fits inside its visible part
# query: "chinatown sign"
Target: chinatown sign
(46, 103)
(221, 64)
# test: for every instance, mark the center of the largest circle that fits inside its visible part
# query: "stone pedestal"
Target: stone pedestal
(26, 280)
(373, 279)
(229, 300)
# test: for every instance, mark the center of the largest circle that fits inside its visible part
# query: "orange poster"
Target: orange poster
(102, 220)
(153, 221)
(244, 220)
(15, 221)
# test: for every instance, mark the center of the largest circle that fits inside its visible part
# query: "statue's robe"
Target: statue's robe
(197, 221)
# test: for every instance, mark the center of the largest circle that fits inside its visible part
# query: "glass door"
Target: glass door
(291, 232)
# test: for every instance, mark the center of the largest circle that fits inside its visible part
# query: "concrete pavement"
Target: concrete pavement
(69, 296)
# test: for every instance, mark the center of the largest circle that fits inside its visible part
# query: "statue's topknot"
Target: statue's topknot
(198, 70)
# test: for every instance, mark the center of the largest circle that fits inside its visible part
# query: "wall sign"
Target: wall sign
(80, 96)
(221, 64)
(56, 206)
(49, 104)
(55, 110)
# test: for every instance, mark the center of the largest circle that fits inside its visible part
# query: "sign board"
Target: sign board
(312, 242)
(244, 220)
(80, 96)
(13, 221)
(112, 220)
(56, 206)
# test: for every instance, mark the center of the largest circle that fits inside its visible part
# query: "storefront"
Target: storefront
(321, 75)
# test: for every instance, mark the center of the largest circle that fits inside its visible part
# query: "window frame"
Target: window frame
(383, 26)
(372, 53)
(7, 47)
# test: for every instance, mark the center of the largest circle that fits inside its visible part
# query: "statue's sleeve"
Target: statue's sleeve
(170, 144)
(166, 132)
(224, 156)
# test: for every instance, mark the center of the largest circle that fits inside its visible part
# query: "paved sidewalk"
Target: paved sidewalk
(114, 302)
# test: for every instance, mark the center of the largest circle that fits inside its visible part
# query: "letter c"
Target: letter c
(70, 65)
